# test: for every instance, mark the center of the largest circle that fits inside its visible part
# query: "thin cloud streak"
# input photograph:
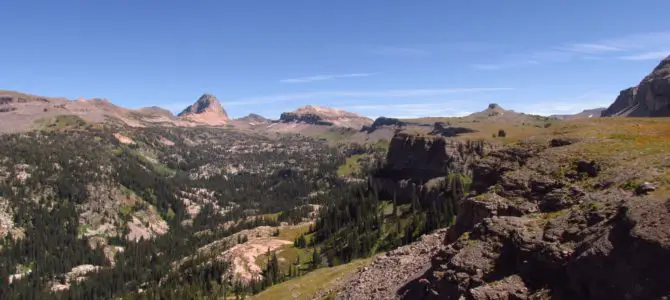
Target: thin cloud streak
(408, 93)
(656, 55)
(398, 51)
(412, 110)
(590, 48)
(626, 48)
(568, 105)
(325, 77)
(429, 49)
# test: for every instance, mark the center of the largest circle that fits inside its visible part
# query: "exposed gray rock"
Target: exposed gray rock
(509, 288)
(389, 271)
(651, 98)
(645, 188)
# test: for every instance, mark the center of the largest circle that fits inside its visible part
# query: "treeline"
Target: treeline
(357, 224)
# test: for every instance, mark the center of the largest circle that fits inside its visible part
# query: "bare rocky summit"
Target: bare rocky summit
(317, 115)
(651, 98)
(206, 110)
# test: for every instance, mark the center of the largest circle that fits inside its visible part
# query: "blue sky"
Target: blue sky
(376, 57)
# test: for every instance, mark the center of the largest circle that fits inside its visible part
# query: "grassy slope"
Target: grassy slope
(305, 287)
(350, 166)
(288, 254)
(632, 150)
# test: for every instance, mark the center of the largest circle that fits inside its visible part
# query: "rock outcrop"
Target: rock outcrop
(416, 164)
(206, 110)
(375, 282)
(384, 121)
(651, 98)
(316, 115)
(527, 232)
(440, 128)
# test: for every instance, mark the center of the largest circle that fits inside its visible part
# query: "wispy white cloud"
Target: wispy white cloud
(400, 93)
(504, 65)
(590, 48)
(398, 51)
(630, 47)
(655, 55)
(568, 105)
(430, 49)
(325, 77)
(411, 110)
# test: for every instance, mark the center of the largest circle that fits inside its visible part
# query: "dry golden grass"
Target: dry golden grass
(631, 150)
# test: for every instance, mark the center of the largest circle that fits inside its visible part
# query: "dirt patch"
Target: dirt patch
(166, 142)
(123, 139)
(243, 257)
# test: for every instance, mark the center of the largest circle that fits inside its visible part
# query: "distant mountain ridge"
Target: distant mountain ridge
(21, 112)
(317, 115)
(587, 113)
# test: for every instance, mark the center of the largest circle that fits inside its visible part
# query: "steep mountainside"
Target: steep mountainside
(325, 116)
(651, 98)
(141, 205)
(206, 110)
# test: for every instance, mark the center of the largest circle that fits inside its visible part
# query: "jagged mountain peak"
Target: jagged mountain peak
(494, 106)
(207, 109)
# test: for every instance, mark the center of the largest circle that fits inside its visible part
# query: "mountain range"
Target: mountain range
(22, 111)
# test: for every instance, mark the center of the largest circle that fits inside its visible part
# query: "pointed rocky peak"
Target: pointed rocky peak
(207, 110)
(663, 66)
(494, 106)
(494, 109)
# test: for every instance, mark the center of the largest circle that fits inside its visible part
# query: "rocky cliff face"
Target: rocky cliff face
(651, 98)
(415, 164)
(384, 121)
(316, 115)
(528, 232)
(206, 110)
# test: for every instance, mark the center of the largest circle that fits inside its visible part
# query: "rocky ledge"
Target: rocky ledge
(528, 232)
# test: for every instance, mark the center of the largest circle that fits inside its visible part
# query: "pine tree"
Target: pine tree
(395, 206)
(415, 202)
(315, 259)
